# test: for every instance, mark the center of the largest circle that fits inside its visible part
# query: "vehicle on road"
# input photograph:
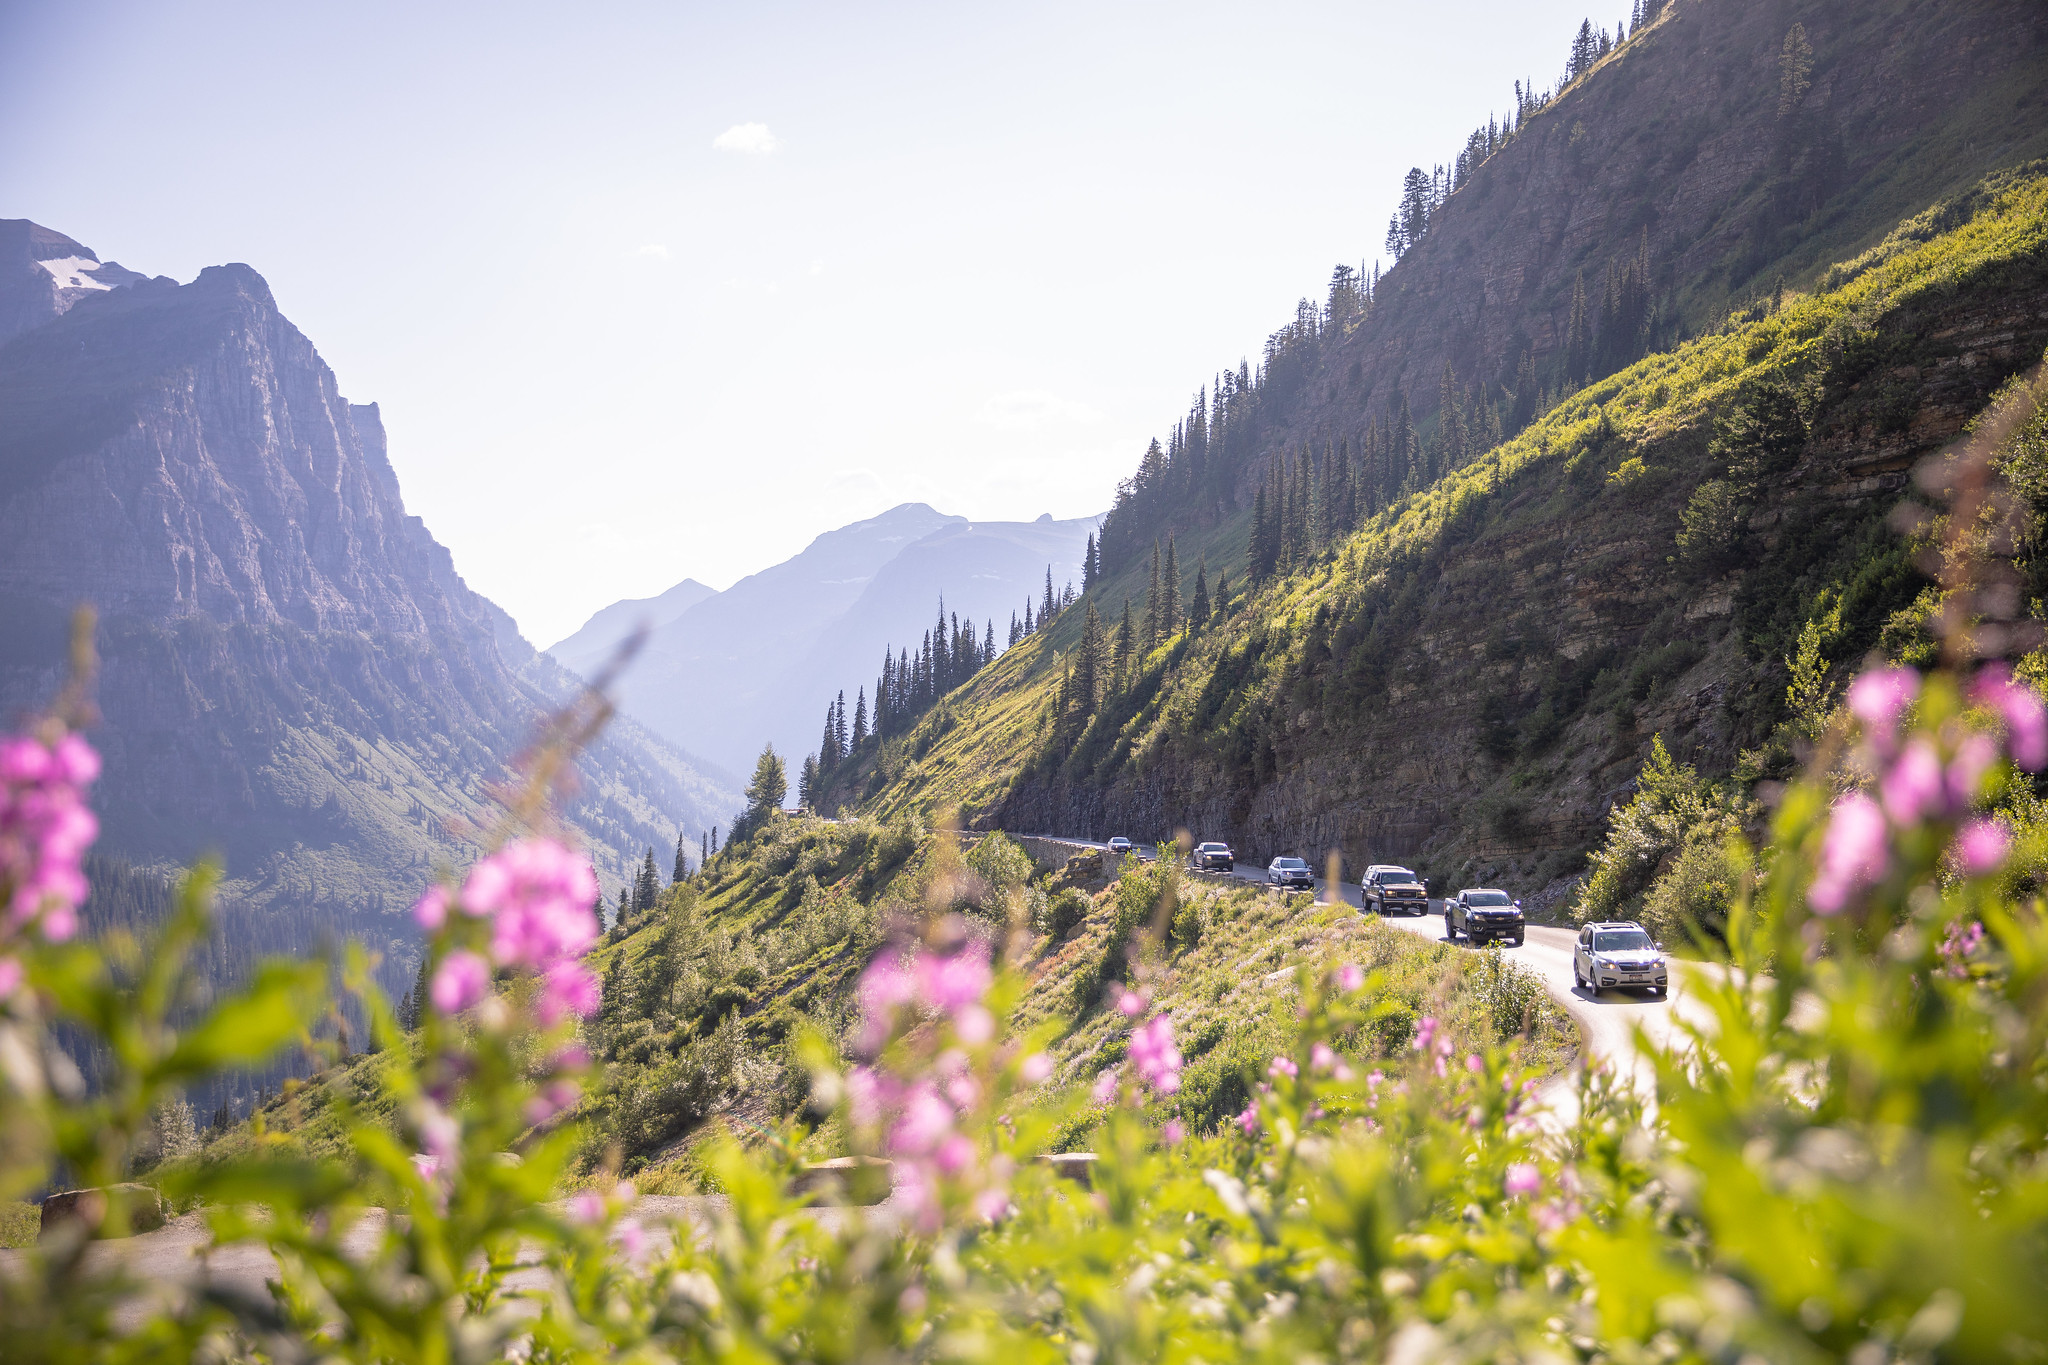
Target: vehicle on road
(1620, 954)
(1391, 890)
(1212, 857)
(1482, 914)
(1292, 873)
(1119, 845)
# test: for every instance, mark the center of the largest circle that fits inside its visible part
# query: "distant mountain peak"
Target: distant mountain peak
(44, 273)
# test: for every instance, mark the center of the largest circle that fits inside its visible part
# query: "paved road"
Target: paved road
(1607, 1020)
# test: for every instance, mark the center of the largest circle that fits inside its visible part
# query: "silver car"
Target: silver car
(1290, 873)
(1622, 955)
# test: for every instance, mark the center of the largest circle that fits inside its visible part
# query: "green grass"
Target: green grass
(19, 1222)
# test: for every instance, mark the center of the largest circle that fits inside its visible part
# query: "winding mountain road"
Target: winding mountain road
(1607, 1020)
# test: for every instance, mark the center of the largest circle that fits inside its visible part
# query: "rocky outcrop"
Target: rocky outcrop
(293, 671)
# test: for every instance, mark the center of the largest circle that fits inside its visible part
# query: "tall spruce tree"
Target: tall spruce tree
(1155, 604)
(682, 867)
(1170, 609)
(1051, 604)
(1088, 662)
(1121, 652)
(768, 785)
(1198, 615)
(647, 888)
(860, 718)
(1222, 592)
(1088, 564)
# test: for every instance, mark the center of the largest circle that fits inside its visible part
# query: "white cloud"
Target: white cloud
(1032, 410)
(655, 249)
(753, 139)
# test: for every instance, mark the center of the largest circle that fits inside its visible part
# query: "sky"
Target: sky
(655, 291)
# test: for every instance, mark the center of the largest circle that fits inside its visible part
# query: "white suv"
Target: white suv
(1622, 955)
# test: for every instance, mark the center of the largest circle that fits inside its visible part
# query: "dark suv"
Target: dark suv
(1390, 890)
(1479, 913)
(1212, 857)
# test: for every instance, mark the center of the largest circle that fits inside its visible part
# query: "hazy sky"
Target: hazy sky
(656, 291)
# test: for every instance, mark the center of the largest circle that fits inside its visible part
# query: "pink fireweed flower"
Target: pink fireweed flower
(554, 1098)
(1283, 1066)
(539, 894)
(440, 1133)
(459, 982)
(992, 1204)
(1878, 698)
(429, 1167)
(631, 1240)
(926, 1122)
(1035, 1069)
(587, 1208)
(1173, 1134)
(574, 1057)
(1249, 1119)
(11, 977)
(1105, 1088)
(1324, 1058)
(432, 910)
(1524, 1178)
(974, 1025)
(1475, 1064)
(1853, 853)
(45, 828)
(568, 988)
(2026, 721)
(1914, 788)
(1980, 848)
(955, 1154)
(956, 981)
(1974, 757)
(1351, 977)
(1154, 1054)
(1425, 1032)
(1130, 1004)
(1957, 944)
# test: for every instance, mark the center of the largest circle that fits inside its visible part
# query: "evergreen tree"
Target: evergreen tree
(860, 717)
(1014, 629)
(647, 887)
(1452, 443)
(1088, 565)
(1155, 604)
(807, 783)
(839, 734)
(1051, 603)
(828, 744)
(770, 782)
(1029, 629)
(1222, 592)
(1585, 51)
(1171, 607)
(1121, 652)
(1795, 71)
(1199, 616)
(1088, 664)
(988, 644)
(682, 867)
(704, 854)
(1577, 336)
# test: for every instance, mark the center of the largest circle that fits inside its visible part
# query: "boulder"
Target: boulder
(845, 1180)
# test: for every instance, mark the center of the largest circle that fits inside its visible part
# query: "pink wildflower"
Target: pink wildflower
(1173, 1133)
(1157, 1058)
(1283, 1066)
(1474, 1064)
(11, 977)
(1105, 1088)
(1130, 1004)
(631, 1240)
(432, 910)
(553, 1098)
(1878, 697)
(440, 1134)
(540, 894)
(459, 982)
(2026, 722)
(992, 1203)
(1249, 1119)
(974, 1025)
(955, 1154)
(955, 981)
(1350, 977)
(45, 828)
(587, 1207)
(1974, 757)
(1913, 788)
(1425, 1032)
(1524, 1178)
(429, 1167)
(568, 988)
(1035, 1069)
(1980, 848)
(1957, 944)
(926, 1122)
(1853, 853)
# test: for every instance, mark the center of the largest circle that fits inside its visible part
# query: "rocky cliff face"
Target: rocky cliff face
(293, 671)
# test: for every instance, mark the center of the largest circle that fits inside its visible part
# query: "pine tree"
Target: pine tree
(1262, 552)
(1795, 71)
(1585, 51)
(1199, 616)
(1172, 584)
(647, 889)
(860, 716)
(704, 853)
(1222, 592)
(1577, 336)
(682, 867)
(1029, 629)
(1121, 652)
(1051, 603)
(770, 782)
(988, 644)
(624, 914)
(1088, 565)
(807, 783)
(1014, 629)
(1088, 663)
(839, 734)
(1155, 615)
(828, 744)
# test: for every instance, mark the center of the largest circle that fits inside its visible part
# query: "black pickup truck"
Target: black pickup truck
(1480, 913)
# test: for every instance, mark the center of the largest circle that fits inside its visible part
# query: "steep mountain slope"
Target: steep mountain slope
(293, 671)
(1689, 171)
(1472, 679)
(758, 662)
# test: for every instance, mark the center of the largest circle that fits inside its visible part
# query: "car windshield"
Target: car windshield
(1213, 848)
(1290, 864)
(1396, 874)
(1487, 898)
(1622, 941)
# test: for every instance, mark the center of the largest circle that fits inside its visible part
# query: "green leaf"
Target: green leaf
(281, 1003)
